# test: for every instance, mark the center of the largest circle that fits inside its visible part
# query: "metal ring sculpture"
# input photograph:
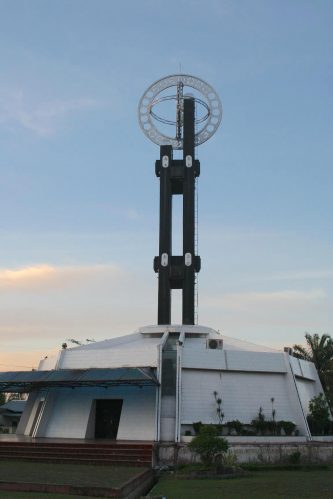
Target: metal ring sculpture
(211, 103)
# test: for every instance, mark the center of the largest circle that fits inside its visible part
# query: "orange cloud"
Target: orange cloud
(25, 274)
(44, 274)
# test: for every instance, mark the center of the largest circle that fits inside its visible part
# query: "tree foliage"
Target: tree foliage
(319, 350)
(319, 415)
(2, 398)
(208, 445)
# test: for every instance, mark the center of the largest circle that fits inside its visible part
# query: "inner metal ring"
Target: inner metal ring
(174, 97)
(210, 101)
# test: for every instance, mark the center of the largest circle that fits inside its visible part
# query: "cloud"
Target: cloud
(41, 118)
(25, 274)
(42, 305)
(47, 276)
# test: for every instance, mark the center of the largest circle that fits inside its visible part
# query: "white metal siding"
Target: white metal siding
(203, 358)
(22, 428)
(296, 367)
(116, 357)
(242, 395)
(255, 361)
(137, 420)
(48, 363)
(308, 369)
(69, 412)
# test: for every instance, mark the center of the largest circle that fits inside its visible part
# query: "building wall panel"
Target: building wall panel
(48, 363)
(255, 361)
(242, 394)
(81, 359)
(308, 369)
(68, 411)
(203, 358)
(296, 367)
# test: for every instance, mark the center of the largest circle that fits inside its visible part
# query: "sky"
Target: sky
(78, 192)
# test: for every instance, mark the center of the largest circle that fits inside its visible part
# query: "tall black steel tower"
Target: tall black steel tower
(177, 177)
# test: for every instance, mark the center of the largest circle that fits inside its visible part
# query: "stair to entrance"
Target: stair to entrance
(129, 454)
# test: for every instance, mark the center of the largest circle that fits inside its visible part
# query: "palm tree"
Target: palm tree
(319, 350)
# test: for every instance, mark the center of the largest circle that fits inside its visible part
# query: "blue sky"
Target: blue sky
(78, 194)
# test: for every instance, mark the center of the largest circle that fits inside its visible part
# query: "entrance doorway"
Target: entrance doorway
(107, 418)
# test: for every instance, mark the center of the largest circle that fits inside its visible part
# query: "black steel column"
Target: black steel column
(165, 244)
(177, 177)
(188, 211)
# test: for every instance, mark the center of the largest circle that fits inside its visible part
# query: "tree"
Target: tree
(2, 398)
(208, 445)
(319, 416)
(319, 350)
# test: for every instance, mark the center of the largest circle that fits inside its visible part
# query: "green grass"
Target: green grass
(316, 484)
(66, 474)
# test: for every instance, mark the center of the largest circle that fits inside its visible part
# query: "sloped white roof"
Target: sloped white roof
(140, 349)
(127, 342)
(236, 344)
(132, 350)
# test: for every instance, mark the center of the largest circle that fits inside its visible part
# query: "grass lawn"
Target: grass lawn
(65, 474)
(298, 484)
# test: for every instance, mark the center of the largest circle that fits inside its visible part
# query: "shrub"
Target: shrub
(197, 426)
(208, 445)
(319, 416)
(259, 422)
(235, 425)
(229, 459)
(248, 432)
(287, 426)
(219, 429)
(272, 427)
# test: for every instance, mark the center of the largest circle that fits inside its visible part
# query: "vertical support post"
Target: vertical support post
(165, 244)
(188, 211)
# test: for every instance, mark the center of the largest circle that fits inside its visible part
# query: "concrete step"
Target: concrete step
(66, 450)
(64, 460)
(77, 446)
(129, 454)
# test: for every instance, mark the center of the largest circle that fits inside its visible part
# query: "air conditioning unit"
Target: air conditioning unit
(288, 350)
(213, 344)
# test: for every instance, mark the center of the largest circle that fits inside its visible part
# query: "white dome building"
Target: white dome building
(154, 384)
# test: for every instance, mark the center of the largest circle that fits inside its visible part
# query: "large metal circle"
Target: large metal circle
(149, 98)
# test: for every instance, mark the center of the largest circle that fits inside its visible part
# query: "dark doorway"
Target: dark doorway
(107, 418)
